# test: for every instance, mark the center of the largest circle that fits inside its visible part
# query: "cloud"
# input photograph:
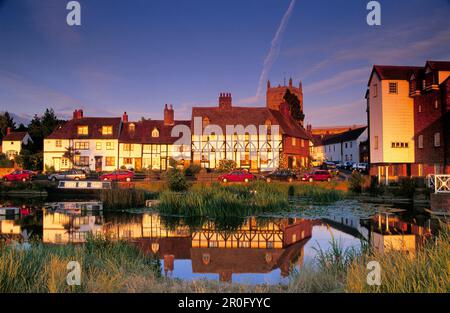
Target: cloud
(347, 113)
(338, 81)
(274, 50)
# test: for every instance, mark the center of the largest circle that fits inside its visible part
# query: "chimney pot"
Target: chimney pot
(8, 130)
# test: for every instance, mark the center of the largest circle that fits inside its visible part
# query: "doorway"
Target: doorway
(98, 163)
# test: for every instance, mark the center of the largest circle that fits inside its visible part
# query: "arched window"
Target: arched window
(131, 128)
(155, 132)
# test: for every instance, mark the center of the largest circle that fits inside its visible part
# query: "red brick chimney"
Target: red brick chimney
(8, 130)
(225, 101)
(125, 117)
(78, 114)
(169, 115)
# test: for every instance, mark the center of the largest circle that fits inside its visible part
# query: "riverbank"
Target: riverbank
(121, 267)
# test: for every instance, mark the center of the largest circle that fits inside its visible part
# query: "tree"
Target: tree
(294, 106)
(42, 126)
(70, 154)
(6, 121)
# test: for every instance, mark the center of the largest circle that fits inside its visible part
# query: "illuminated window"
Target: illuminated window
(58, 143)
(131, 128)
(107, 130)
(205, 121)
(81, 160)
(294, 141)
(110, 161)
(127, 161)
(420, 108)
(82, 145)
(155, 133)
(110, 145)
(98, 145)
(83, 130)
(127, 147)
(375, 144)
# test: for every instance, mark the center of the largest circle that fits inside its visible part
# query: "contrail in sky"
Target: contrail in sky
(274, 50)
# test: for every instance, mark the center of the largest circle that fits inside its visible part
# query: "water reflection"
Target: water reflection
(247, 250)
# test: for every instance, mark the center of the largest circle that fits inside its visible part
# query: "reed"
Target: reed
(119, 199)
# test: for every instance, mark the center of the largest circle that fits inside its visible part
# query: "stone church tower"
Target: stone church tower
(275, 95)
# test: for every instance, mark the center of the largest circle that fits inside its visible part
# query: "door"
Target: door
(98, 163)
(137, 164)
(57, 164)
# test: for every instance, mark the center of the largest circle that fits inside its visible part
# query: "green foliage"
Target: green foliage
(356, 182)
(5, 162)
(120, 199)
(176, 180)
(294, 106)
(192, 170)
(6, 121)
(30, 161)
(226, 166)
(41, 127)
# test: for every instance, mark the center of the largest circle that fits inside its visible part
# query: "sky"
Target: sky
(137, 55)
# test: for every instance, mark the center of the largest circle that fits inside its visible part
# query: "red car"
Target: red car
(19, 175)
(118, 176)
(317, 176)
(237, 176)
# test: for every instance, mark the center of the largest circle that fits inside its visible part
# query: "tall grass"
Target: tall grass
(119, 199)
(106, 267)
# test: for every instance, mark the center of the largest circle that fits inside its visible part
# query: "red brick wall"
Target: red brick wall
(427, 123)
(298, 151)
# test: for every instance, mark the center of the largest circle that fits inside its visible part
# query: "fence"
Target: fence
(439, 183)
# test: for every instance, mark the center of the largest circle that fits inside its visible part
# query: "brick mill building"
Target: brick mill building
(109, 143)
(408, 117)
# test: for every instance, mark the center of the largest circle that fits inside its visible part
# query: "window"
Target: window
(345, 145)
(375, 90)
(375, 143)
(131, 128)
(302, 143)
(420, 108)
(436, 104)
(127, 147)
(110, 145)
(399, 145)
(393, 88)
(81, 160)
(127, 161)
(420, 142)
(437, 139)
(107, 130)
(205, 121)
(83, 130)
(82, 145)
(424, 84)
(58, 144)
(98, 145)
(155, 133)
(110, 161)
(64, 162)
(294, 141)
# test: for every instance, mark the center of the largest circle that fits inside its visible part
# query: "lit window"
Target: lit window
(437, 139)
(110, 161)
(127, 147)
(98, 145)
(420, 108)
(393, 87)
(131, 128)
(205, 121)
(294, 141)
(83, 130)
(127, 161)
(155, 133)
(107, 130)
(81, 160)
(83, 145)
(420, 142)
(110, 146)
(58, 143)
(375, 144)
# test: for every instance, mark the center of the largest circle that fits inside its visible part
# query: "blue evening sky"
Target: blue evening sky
(137, 55)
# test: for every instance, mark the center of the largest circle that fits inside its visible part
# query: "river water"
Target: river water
(251, 250)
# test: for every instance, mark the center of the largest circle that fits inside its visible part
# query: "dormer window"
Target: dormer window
(393, 88)
(205, 121)
(83, 130)
(155, 133)
(107, 130)
(131, 128)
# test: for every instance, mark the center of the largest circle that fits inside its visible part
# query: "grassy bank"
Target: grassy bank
(219, 200)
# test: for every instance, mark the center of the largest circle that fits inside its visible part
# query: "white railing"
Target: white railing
(439, 183)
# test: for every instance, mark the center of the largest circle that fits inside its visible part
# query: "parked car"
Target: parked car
(67, 175)
(122, 175)
(282, 175)
(348, 165)
(361, 167)
(317, 176)
(330, 167)
(19, 175)
(237, 176)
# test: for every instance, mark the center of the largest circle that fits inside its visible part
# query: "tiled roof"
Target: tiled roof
(250, 116)
(15, 136)
(143, 132)
(344, 137)
(394, 72)
(439, 65)
(70, 129)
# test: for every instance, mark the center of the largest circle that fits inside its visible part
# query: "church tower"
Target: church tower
(275, 95)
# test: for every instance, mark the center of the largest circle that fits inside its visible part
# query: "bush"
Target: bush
(192, 170)
(176, 180)
(5, 162)
(356, 182)
(226, 166)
